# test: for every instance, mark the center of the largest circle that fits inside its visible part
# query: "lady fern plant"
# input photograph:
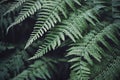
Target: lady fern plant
(79, 34)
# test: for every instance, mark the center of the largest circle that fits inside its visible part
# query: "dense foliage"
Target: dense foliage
(59, 40)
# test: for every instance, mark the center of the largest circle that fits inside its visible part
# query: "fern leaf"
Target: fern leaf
(16, 60)
(88, 47)
(28, 9)
(110, 71)
(48, 17)
(41, 69)
(15, 5)
(115, 11)
(73, 28)
(79, 70)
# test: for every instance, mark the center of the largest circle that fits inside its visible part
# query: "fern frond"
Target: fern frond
(110, 71)
(3, 8)
(73, 28)
(115, 9)
(15, 5)
(42, 69)
(49, 16)
(89, 44)
(79, 69)
(13, 64)
(18, 60)
(107, 59)
(4, 22)
(29, 8)
(89, 47)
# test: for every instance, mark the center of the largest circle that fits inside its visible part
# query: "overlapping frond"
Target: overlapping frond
(4, 22)
(17, 62)
(110, 71)
(43, 69)
(48, 16)
(89, 46)
(15, 5)
(115, 9)
(79, 70)
(83, 33)
(73, 28)
(13, 64)
(29, 8)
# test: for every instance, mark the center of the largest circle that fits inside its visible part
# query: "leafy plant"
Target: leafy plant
(68, 39)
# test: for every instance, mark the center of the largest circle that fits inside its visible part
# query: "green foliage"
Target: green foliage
(54, 37)
(111, 70)
(109, 66)
(42, 69)
(15, 5)
(88, 48)
(48, 16)
(80, 37)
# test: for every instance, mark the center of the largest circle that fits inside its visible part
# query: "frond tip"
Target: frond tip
(29, 8)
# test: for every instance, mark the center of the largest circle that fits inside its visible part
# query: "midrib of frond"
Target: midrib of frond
(83, 72)
(45, 26)
(47, 46)
(96, 38)
(79, 68)
(71, 28)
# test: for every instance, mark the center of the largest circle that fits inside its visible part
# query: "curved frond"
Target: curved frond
(48, 16)
(73, 28)
(79, 69)
(89, 46)
(110, 71)
(43, 69)
(15, 5)
(115, 9)
(29, 8)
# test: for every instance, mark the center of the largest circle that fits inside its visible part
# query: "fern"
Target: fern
(28, 9)
(54, 38)
(115, 11)
(79, 37)
(110, 71)
(7, 66)
(40, 69)
(15, 5)
(50, 16)
(89, 47)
